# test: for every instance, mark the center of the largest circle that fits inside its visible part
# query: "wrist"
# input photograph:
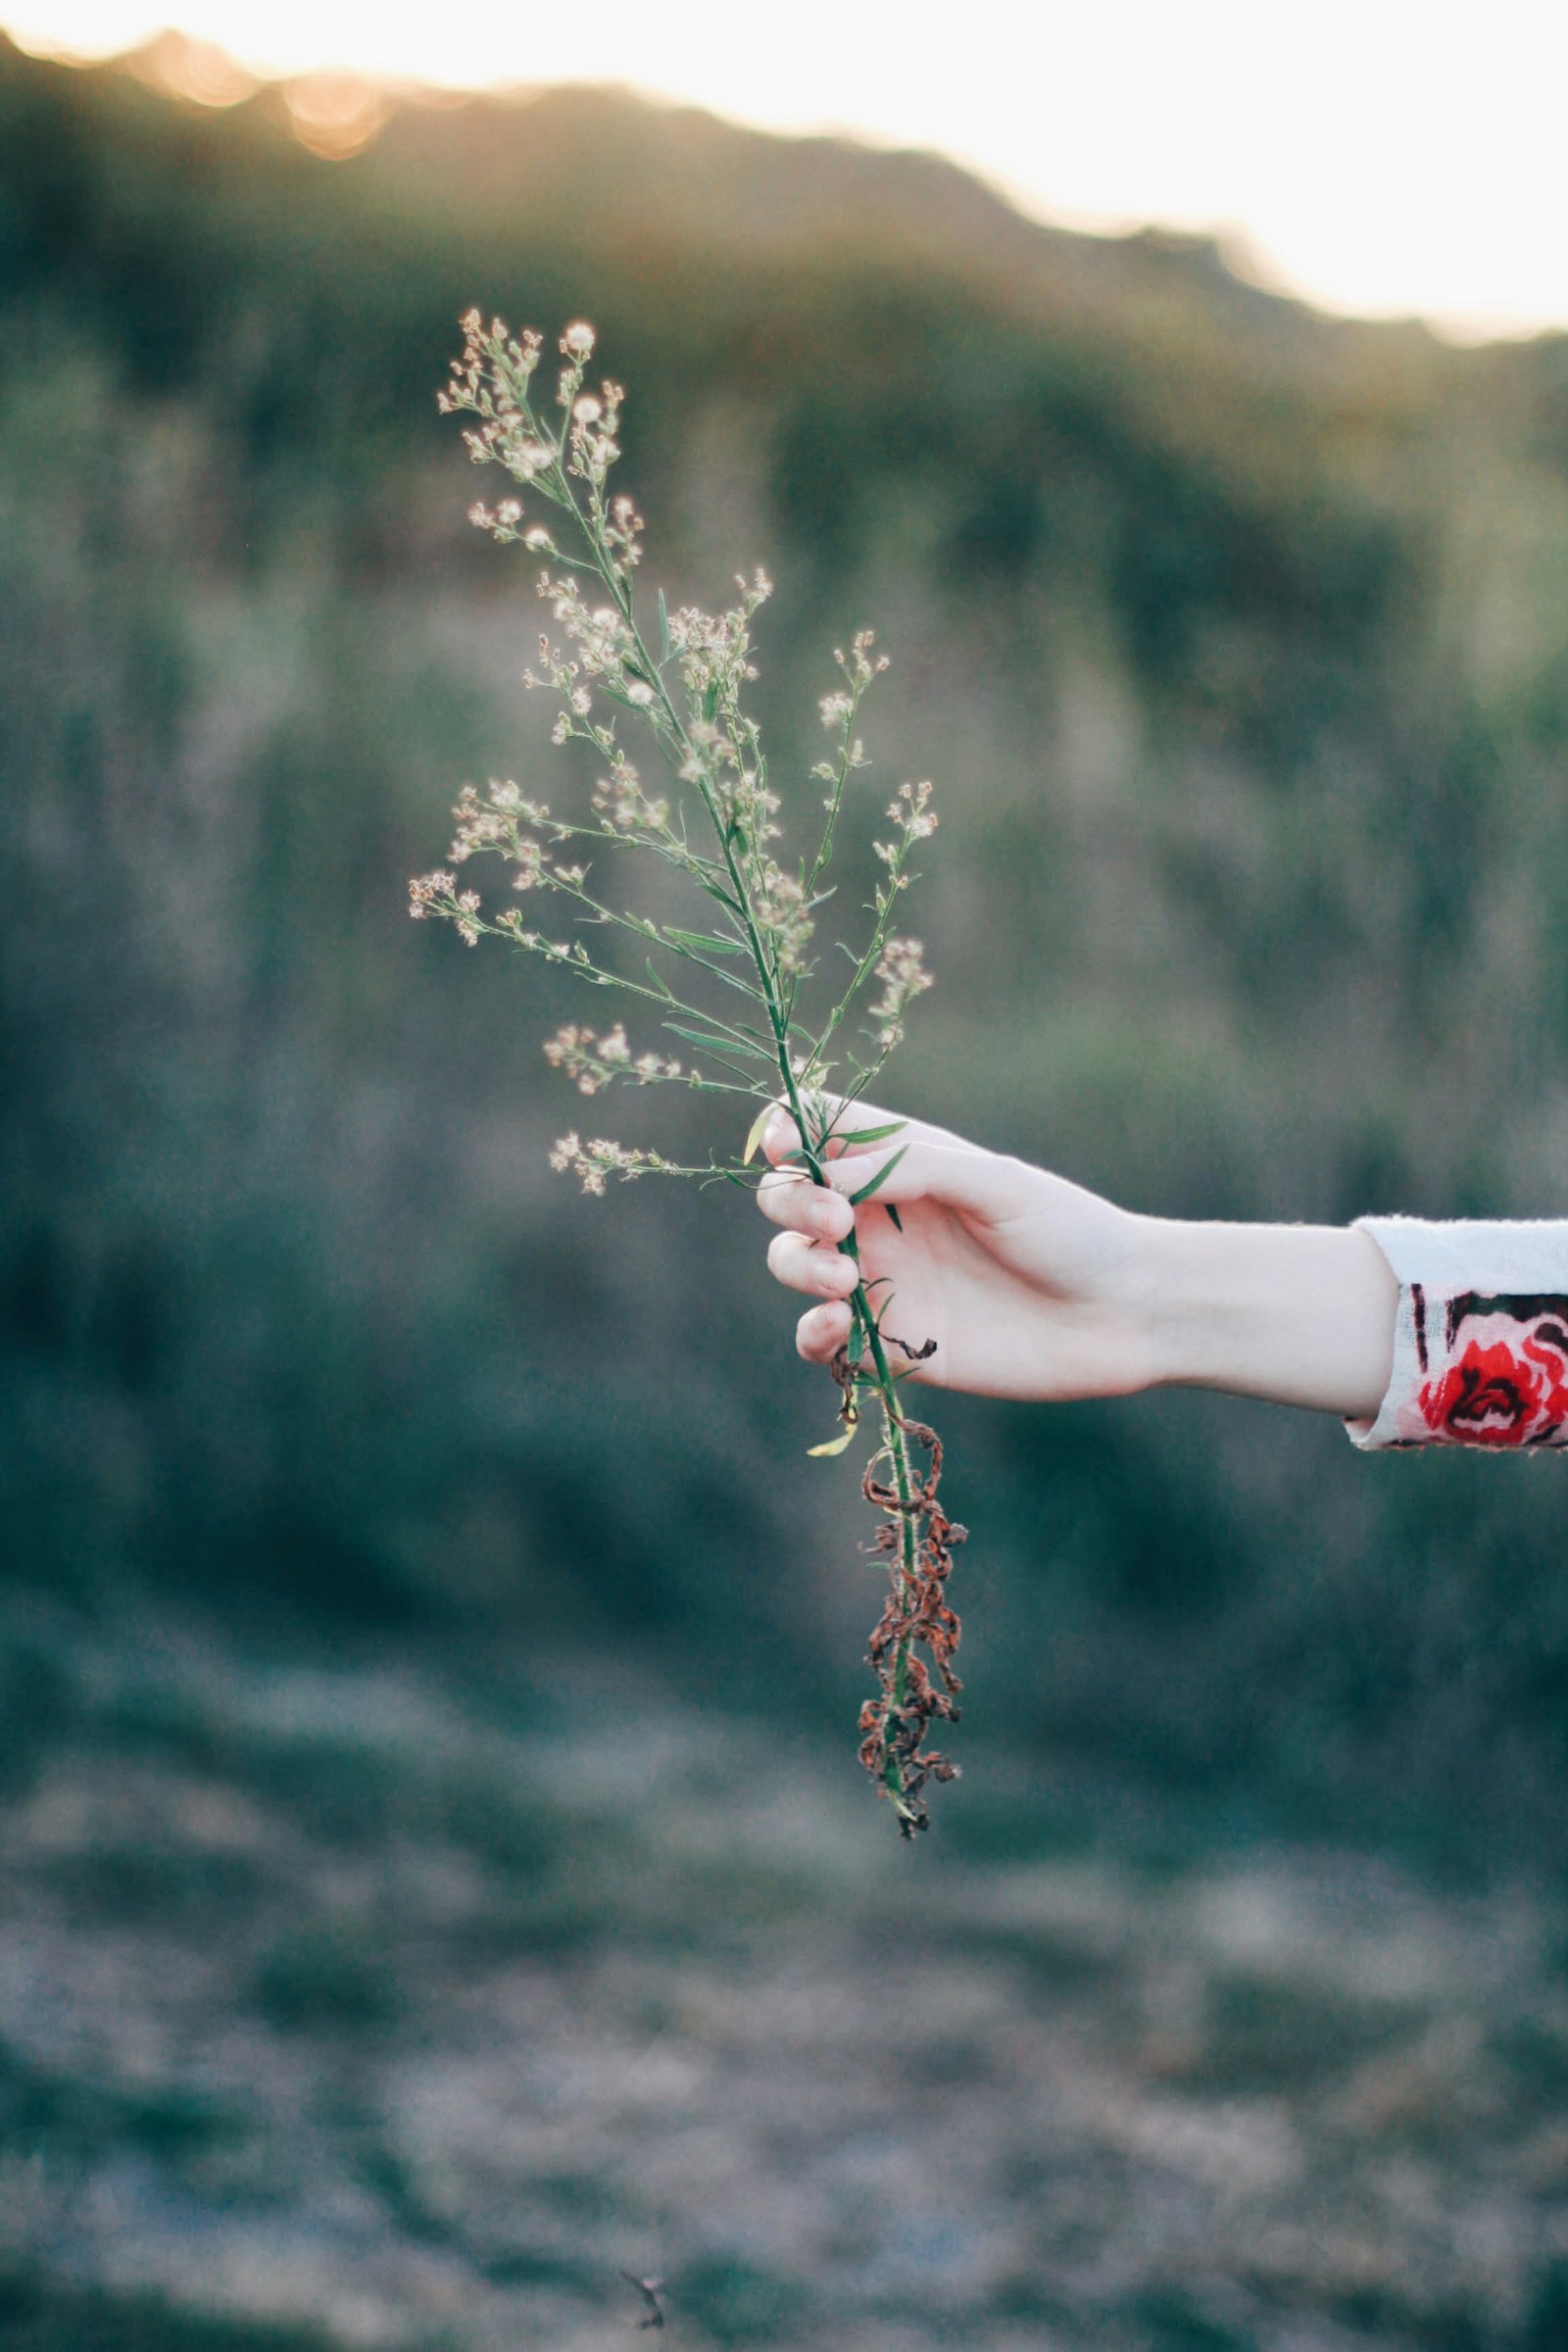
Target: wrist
(1296, 1314)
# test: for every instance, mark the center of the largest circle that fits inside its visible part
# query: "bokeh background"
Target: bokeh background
(436, 1876)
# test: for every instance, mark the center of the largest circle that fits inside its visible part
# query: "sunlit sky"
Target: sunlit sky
(1382, 158)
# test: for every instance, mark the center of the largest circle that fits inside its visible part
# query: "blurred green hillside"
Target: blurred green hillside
(1235, 640)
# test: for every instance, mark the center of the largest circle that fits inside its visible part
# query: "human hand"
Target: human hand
(1032, 1286)
(1029, 1285)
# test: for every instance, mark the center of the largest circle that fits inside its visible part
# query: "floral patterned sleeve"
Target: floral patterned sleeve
(1481, 1335)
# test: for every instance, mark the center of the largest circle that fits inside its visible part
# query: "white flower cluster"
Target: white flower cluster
(426, 891)
(595, 421)
(713, 648)
(838, 709)
(691, 689)
(492, 380)
(602, 638)
(621, 802)
(592, 1062)
(746, 802)
(494, 823)
(900, 968)
(910, 810)
(589, 1061)
(783, 916)
(595, 1161)
(438, 894)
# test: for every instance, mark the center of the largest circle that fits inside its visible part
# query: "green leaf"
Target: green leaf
(663, 628)
(707, 940)
(870, 1134)
(714, 1045)
(892, 1210)
(876, 1182)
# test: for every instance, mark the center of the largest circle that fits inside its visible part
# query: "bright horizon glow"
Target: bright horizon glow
(1382, 159)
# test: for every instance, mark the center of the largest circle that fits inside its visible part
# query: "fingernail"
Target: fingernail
(776, 1133)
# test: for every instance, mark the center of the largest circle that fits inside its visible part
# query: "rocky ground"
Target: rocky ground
(370, 2002)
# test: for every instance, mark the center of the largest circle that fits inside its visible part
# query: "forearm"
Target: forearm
(1413, 1331)
(1296, 1314)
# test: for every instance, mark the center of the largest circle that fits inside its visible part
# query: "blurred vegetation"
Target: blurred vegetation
(1234, 638)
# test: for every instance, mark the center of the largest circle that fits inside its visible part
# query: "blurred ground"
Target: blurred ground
(391, 2001)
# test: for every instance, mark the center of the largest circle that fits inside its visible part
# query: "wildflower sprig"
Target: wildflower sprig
(678, 680)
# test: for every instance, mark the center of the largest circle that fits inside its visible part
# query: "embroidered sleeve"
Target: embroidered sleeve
(1481, 1335)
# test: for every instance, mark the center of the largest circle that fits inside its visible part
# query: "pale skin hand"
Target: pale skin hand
(1033, 1288)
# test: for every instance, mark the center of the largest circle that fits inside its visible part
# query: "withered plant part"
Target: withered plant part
(650, 2289)
(917, 1537)
(744, 995)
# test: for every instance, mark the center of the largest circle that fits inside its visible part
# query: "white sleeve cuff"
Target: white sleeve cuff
(1479, 1337)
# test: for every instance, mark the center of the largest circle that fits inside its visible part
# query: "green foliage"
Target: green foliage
(1237, 639)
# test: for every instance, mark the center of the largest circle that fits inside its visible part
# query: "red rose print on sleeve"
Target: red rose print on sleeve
(1499, 1394)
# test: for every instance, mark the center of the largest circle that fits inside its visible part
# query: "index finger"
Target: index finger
(788, 1196)
(857, 1126)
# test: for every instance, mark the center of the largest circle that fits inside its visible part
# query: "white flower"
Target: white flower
(912, 809)
(900, 968)
(578, 340)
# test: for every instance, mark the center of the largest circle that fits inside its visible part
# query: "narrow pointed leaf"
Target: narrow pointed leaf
(707, 940)
(663, 628)
(871, 1135)
(893, 1212)
(712, 1045)
(876, 1182)
(758, 1130)
(833, 1444)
